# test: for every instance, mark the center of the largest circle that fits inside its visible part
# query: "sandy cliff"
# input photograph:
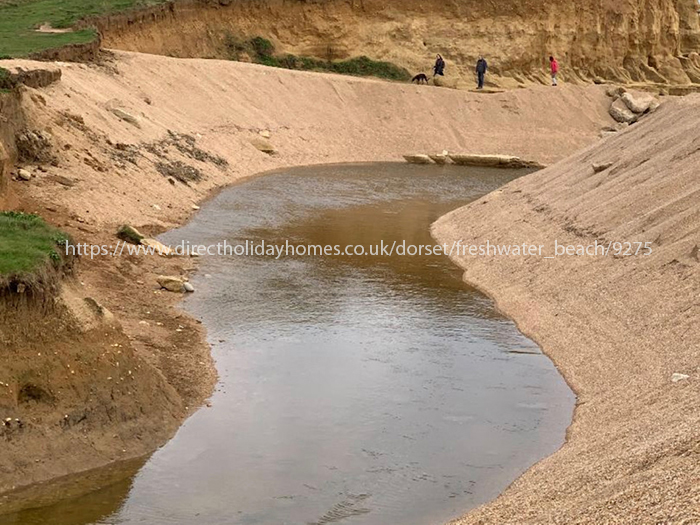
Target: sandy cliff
(618, 327)
(631, 40)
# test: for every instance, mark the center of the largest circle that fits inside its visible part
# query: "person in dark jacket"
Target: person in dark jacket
(439, 67)
(481, 67)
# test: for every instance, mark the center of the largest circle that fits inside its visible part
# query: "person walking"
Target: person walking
(554, 67)
(481, 67)
(439, 67)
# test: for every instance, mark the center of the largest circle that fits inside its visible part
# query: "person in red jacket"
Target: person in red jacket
(554, 66)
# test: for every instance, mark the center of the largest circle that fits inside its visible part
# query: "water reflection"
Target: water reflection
(360, 390)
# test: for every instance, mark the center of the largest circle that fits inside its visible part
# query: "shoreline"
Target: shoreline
(358, 120)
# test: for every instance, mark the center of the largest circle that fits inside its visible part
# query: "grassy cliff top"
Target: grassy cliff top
(21, 19)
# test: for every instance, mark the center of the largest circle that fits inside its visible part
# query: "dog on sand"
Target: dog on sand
(420, 78)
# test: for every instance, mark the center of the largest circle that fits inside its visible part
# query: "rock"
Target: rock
(679, 377)
(440, 158)
(23, 174)
(158, 248)
(126, 117)
(639, 103)
(172, 180)
(495, 161)
(34, 146)
(64, 181)
(602, 166)
(188, 287)
(263, 145)
(170, 283)
(417, 158)
(265, 134)
(195, 207)
(129, 234)
(615, 91)
(621, 113)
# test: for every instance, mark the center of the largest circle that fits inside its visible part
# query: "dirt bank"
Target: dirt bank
(627, 41)
(141, 139)
(618, 327)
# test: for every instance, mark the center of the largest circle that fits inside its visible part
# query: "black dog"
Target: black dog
(420, 78)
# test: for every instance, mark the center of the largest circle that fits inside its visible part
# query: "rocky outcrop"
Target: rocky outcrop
(627, 108)
(627, 41)
(493, 161)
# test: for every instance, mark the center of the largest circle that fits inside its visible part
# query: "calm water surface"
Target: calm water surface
(353, 390)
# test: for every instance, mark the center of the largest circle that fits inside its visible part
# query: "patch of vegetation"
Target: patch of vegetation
(30, 249)
(19, 20)
(7, 81)
(262, 51)
(129, 234)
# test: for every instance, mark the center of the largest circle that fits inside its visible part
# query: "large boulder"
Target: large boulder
(639, 103)
(620, 112)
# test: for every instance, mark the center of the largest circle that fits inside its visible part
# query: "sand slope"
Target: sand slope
(107, 175)
(618, 328)
(312, 118)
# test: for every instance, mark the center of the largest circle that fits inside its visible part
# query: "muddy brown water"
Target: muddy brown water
(356, 390)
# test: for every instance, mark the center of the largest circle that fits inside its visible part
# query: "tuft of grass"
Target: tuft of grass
(28, 246)
(19, 20)
(7, 83)
(129, 234)
(262, 51)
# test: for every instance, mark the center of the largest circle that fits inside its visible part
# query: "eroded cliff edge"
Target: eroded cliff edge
(632, 41)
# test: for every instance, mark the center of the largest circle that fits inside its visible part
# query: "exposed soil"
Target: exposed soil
(653, 42)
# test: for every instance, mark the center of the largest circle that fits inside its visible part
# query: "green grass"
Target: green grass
(262, 51)
(28, 245)
(20, 18)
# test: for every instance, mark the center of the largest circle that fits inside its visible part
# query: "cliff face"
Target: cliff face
(629, 40)
(11, 120)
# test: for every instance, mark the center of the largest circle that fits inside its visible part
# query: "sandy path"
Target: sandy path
(618, 328)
